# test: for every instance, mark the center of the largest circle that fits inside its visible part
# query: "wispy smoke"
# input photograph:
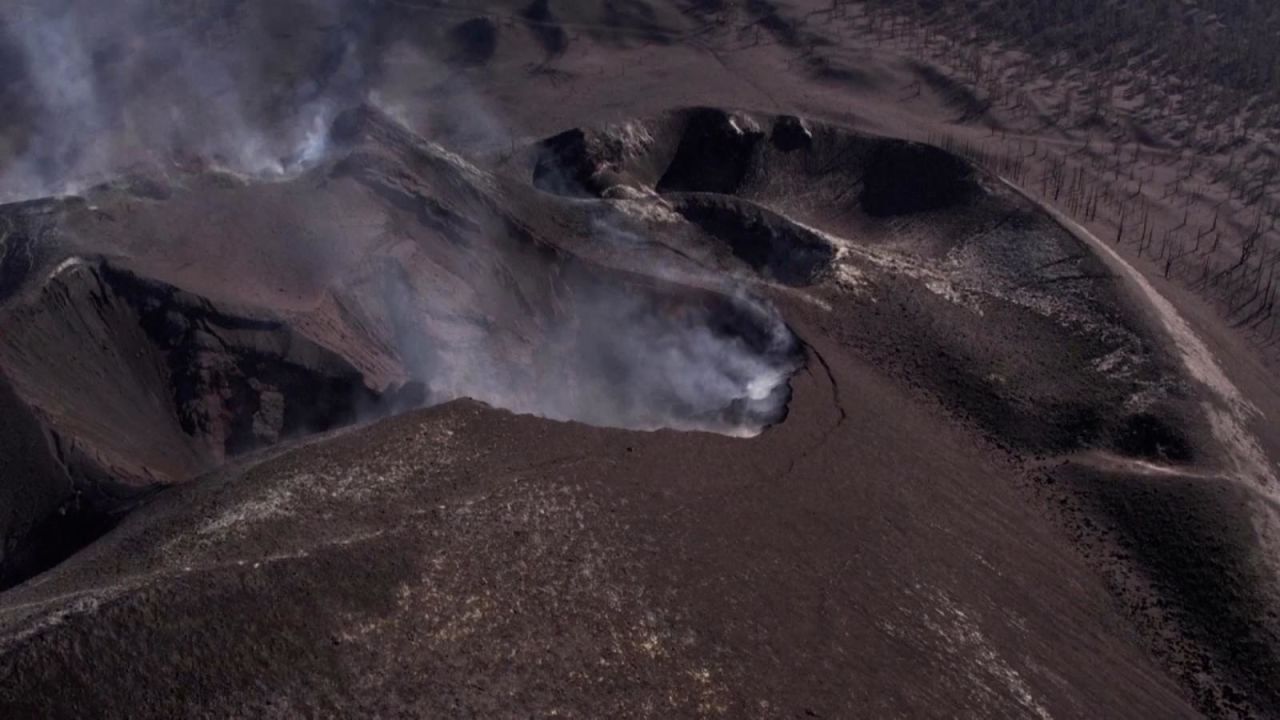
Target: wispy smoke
(688, 367)
(597, 346)
(126, 85)
(626, 358)
(120, 86)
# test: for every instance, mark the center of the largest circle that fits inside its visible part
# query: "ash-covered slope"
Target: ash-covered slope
(947, 280)
(950, 346)
(465, 561)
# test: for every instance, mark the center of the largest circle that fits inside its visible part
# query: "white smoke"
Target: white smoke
(603, 347)
(128, 85)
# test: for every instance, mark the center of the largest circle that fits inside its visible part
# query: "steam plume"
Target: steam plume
(113, 87)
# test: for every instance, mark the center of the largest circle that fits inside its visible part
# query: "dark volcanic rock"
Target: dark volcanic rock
(565, 165)
(790, 134)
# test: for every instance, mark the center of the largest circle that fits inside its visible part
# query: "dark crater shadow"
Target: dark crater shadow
(243, 381)
(714, 155)
(71, 527)
(473, 42)
(766, 159)
(789, 134)
(904, 177)
(47, 512)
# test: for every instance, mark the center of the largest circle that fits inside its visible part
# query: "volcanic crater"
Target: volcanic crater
(842, 299)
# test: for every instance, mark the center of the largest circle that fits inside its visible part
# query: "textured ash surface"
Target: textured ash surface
(993, 480)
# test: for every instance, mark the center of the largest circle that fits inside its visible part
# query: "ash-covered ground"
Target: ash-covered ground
(394, 359)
